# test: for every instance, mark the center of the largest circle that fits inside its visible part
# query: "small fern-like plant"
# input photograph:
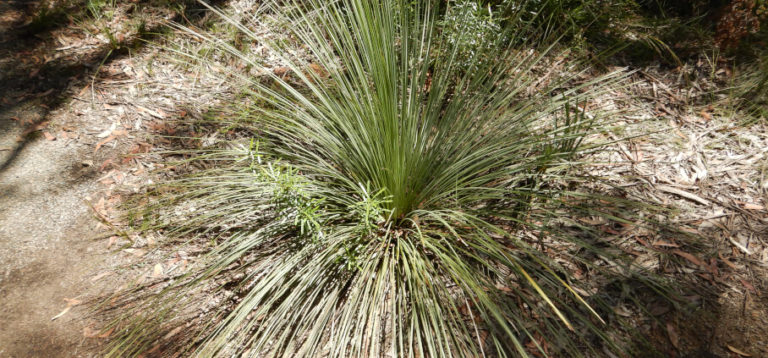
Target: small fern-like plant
(380, 207)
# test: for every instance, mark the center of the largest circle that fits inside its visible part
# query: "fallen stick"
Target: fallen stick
(682, 193)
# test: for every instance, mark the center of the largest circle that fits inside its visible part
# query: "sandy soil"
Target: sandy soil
(47, 248)
(68, 147)
(53, 251)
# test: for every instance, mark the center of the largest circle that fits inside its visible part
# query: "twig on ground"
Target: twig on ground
(682, 193)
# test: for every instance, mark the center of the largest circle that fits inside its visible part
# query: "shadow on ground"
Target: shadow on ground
(37, 68)
(704, 302)
(47, 230)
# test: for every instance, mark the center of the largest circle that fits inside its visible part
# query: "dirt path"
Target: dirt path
(47, 231)
(54, 254)
(67, 141)
(47, 249)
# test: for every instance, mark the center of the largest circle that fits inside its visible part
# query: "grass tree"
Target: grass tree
(385, 203)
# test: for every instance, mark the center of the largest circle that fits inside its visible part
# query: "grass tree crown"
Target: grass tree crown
(376, 210)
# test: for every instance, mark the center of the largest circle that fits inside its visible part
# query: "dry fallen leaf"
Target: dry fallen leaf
(673, 337)
(112, 241)
(82, 91)
(136, 252)
(110, 134)
(100, 276)
(690, 230)
(726, 262)
(689, 257)
(280, 71)
(105, 164)
(750, 206)
(150, 112)
(49, 136)
(748, 285)
(658, 309)
(61, 313)
(72, 301)
(739, 246)
(107, 333)
(88, 332)
(738, 351)
(107, 132)
(665, 243)
(99, 208)
(102, 142)
(43, 94)
(157, 272)
(622, 311)
(40, 126)
(172, 333)
(318, 69)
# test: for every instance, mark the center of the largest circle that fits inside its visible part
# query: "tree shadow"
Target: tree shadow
(39, 75)
(710, 295)
(683, 318)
